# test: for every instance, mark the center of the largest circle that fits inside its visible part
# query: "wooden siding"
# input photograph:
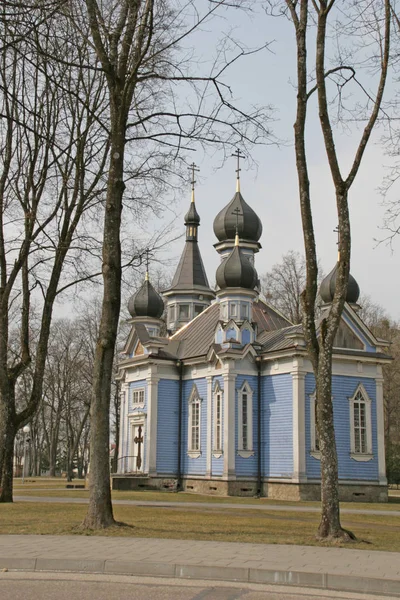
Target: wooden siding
(343, 388)
(277, 425)
(167, 426)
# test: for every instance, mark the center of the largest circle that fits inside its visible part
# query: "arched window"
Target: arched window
(360, 425)
(217, 420)
(194, 424)
(245, 421)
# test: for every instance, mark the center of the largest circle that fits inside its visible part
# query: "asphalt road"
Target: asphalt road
(55, 586)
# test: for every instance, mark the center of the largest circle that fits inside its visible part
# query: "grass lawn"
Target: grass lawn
(56, 488)
(216, 523)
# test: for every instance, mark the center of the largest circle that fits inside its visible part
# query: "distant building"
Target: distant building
(225, 404)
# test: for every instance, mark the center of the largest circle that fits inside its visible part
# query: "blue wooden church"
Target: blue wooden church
(224, 402)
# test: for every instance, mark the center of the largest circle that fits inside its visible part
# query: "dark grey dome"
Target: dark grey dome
(328, 285)
(249, 224)
(146, 302)
(192, 216)
(236, 271)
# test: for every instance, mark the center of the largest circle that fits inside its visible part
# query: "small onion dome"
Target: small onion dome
(328, 285)
(236, 271)
(192, 216)
(249, 224)
(146, 302)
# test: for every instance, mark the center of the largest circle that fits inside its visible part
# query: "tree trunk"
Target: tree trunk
(7, 434)
(100, 512)
(330, 516)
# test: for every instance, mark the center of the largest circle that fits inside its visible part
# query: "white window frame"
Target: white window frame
(138, 393)
(194, 450)
(245, 391)
(357, 455)
(314, 450)
(218, 393)
(233, 309)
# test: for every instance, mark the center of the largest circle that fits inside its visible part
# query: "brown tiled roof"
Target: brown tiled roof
(267, 318)
(197, 336)
(278, 340)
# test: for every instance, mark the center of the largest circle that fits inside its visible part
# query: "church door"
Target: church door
(137, 449)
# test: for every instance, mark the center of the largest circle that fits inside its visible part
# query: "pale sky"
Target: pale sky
(271, 189)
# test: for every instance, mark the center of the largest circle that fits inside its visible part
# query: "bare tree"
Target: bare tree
(52, 161)
(137, 45)
(284, 284)
(322, 19)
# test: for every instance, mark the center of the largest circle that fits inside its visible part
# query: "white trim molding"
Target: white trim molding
(299, 425)
(229, 423)
(360, 425)
(152, 411)
(245, 421)
(209, 379)
(380, 430)
(194, 423)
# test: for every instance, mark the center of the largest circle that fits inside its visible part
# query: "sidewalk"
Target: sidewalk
(328, 568)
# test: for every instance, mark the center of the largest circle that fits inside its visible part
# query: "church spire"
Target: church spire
(192, 219)
(190, 292)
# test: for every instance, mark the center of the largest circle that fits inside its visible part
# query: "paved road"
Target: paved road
(210, 505)
(47, 586)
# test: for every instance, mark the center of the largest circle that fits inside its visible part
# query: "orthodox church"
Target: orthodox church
(224, 402)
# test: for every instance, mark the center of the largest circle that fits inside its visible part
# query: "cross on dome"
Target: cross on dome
(238, 156)
(193, 168)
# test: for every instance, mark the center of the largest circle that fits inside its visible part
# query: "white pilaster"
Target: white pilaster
(380, 429)
(299, 424)
(209, 427)
(123, 427)
(229, 425)
(152, 419)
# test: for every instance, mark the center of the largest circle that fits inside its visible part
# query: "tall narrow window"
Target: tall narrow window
(245, 421)
(217, 418)
(194, 424)
(360, 425)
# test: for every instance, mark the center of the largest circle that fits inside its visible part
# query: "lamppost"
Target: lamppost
(26, 431)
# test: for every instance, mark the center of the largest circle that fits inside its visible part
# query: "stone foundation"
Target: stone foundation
(312, 492)
(356, 492)
(143, 482)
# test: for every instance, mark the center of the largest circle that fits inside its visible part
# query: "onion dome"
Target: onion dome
(248, 222)
(328, 285)
(192, 216)
(146, 302)
(236, 271)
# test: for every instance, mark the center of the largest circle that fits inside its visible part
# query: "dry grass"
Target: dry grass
(56, 488)
(216, 523)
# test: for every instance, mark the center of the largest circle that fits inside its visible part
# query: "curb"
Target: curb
(327, 581)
